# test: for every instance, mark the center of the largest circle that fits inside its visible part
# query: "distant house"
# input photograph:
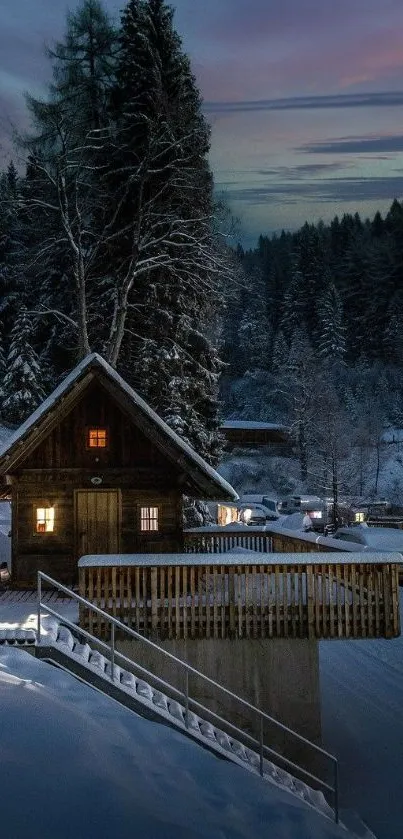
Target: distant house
(95, 470)
(248, 433)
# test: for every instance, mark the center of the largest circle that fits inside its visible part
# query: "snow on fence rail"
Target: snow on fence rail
(244, 595)
(267, 538)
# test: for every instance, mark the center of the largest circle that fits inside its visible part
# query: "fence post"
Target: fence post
(336, 791)
(187, 698)
(112, 652)
(38, 609)
(261, 747)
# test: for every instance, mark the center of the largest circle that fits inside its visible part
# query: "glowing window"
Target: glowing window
(149, 518)
(359, 517)
(45, 519)
(97, 438)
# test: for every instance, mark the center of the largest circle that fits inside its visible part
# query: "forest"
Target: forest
(112, 240)
(314, 339)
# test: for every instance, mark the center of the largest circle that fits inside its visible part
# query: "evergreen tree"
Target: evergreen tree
(331, 332)
(84, 69)
(120, 188)
(10, 246)
(297, 380)
(280, 352)
(22, 387)
(312, 265)
(3, 368)
(64, 197)
(164, 243)
(393, 335)
(293, 307)
(253, 338)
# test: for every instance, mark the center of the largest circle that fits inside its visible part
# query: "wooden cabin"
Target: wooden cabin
(250, 434)
(94, 470)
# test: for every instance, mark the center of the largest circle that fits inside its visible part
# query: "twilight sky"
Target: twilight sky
(304, 97)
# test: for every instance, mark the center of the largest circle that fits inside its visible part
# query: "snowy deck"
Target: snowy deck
(244, 594)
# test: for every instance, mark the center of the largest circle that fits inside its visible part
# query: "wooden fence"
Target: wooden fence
(235, 597)
(263, 539)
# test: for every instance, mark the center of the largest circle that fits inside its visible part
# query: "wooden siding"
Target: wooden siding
(57, 553)
(274, 441)
(65, 447)
(259, 600)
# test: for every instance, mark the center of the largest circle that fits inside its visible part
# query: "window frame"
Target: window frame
(96, 428)
(153, 516)
(45, 518)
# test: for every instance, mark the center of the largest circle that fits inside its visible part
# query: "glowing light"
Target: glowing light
(45, 519)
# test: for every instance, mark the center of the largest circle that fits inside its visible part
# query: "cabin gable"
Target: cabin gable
(97, 419)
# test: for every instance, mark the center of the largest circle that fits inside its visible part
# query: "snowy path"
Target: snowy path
(362, 719)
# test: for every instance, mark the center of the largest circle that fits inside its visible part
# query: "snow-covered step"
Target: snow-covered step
(208, 730)
(203, 730)
(116, 671)
(65, 638)
(193, 722)
(18, 637)
(97, 661)
(145, 690)
(160, 700)
(176, 710)
(128, 681)
(81, 652)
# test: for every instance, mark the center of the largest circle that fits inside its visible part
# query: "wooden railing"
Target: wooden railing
(267, 539)
(237, 596)
(386, 521)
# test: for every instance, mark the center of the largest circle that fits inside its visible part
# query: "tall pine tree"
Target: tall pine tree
(331, 340)
(22, 386)
(164, 243)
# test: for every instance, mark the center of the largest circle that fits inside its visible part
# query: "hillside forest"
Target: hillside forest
(112, 240)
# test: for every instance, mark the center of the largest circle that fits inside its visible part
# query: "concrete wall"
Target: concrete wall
(281, 677)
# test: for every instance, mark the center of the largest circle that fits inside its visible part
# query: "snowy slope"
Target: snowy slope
(253, 470)
(362, 720)
(89, 768)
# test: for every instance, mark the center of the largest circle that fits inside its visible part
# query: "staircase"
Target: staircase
(100, 665)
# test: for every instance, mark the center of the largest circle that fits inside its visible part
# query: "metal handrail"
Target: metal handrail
(115, 623)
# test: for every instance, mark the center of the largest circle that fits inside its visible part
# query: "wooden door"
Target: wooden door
(97, 521)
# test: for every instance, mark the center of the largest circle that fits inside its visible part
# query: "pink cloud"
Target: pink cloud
(370, 60)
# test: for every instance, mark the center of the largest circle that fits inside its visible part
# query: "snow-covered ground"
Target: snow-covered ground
(75, 763)
(362, 700)
(103, 771)
(362, 721)
(255, 471)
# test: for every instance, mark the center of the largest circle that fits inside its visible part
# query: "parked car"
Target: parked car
(316, 508)
(258, 498)
(253, 513)
(372, 538)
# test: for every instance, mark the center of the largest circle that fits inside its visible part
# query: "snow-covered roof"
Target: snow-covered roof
(224, 489)
(237, 557)
(253, 425)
